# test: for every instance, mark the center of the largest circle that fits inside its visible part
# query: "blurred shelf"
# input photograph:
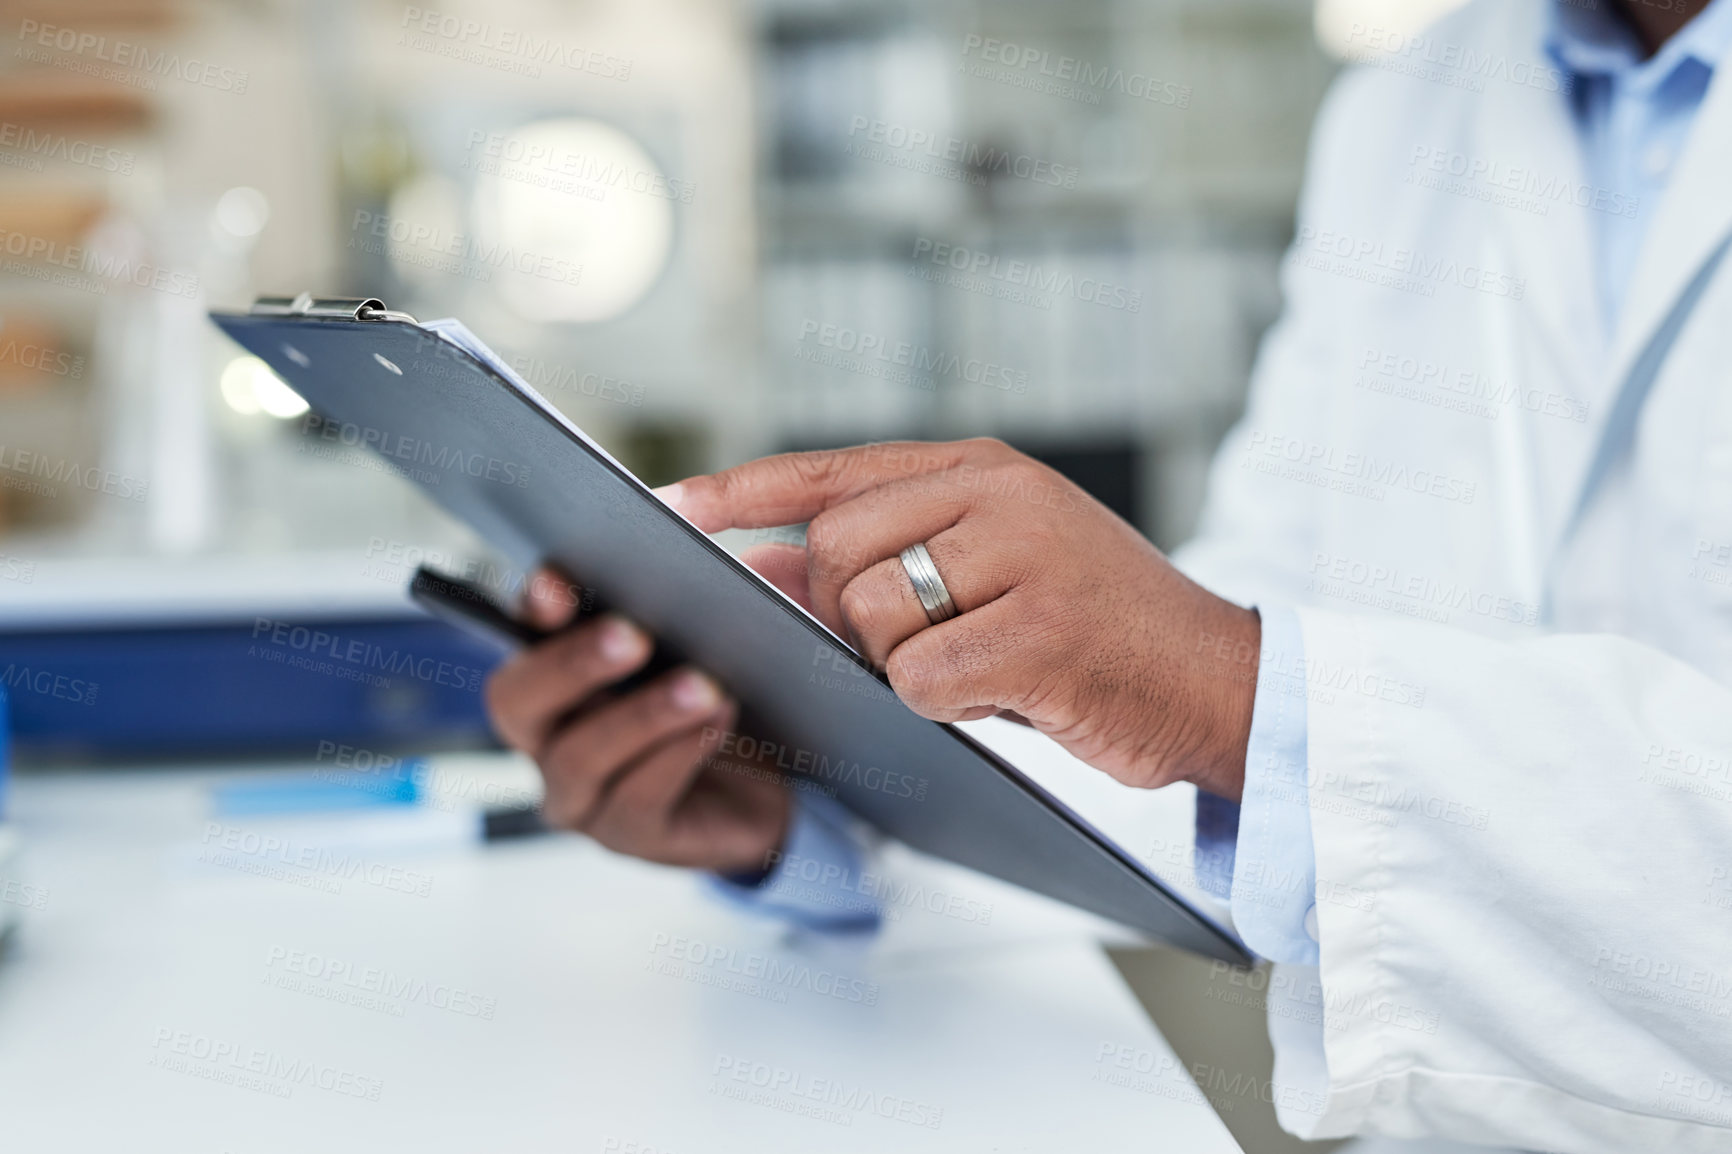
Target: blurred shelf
(53, 215)
(812, 220)
(48, 98)
(35, 356)
(87, 14)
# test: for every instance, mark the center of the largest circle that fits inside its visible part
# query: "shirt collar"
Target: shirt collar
(1587, 38)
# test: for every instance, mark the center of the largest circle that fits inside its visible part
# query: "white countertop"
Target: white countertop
(541, 995)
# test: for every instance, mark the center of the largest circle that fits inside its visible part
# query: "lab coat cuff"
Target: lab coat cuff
(817, 880)
(1274, 867)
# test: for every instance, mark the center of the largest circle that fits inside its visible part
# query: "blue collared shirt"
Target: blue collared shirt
(1634, 117)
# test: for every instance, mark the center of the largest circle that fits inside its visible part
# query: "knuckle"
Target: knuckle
(825, 540)
(1038, 542)
(819, 469)
(727, 486)
(990, 447)
(859, 609)
(912, 675)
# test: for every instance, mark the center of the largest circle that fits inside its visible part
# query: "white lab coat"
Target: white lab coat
(1523, 825)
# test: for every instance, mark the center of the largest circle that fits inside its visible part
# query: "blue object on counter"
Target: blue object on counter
(321, 791)
(179, 691)
(5, 749)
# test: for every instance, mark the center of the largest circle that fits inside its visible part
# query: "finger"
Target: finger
(582, 759)
(970, 666)
(847, 539)
(783, 566)
(529, 694)
(638, 807)
(550, 600)
(795, 487)
(881, 609)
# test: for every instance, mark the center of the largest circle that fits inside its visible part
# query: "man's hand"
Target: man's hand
(634, 771)
(1067, 616)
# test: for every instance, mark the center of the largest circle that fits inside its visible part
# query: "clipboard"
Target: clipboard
(433, 403)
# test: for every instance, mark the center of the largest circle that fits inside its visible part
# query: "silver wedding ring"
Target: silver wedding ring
(928, 585)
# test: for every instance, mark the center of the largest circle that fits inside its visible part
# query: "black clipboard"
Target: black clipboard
(437, 406)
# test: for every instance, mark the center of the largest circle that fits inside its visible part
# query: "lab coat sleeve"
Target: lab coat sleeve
(1531, 944)
(1255, 540)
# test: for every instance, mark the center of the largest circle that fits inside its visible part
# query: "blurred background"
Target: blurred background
(706, 229)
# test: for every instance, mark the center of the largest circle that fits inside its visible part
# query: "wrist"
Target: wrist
(1222, 678)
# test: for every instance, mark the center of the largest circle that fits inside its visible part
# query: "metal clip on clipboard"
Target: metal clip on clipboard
(330, 308)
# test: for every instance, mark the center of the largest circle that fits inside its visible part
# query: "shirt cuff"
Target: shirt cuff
(1217, 838)
(816, 880)
(1274, 864)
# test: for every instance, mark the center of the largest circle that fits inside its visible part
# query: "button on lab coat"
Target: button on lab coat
(1518, 702)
